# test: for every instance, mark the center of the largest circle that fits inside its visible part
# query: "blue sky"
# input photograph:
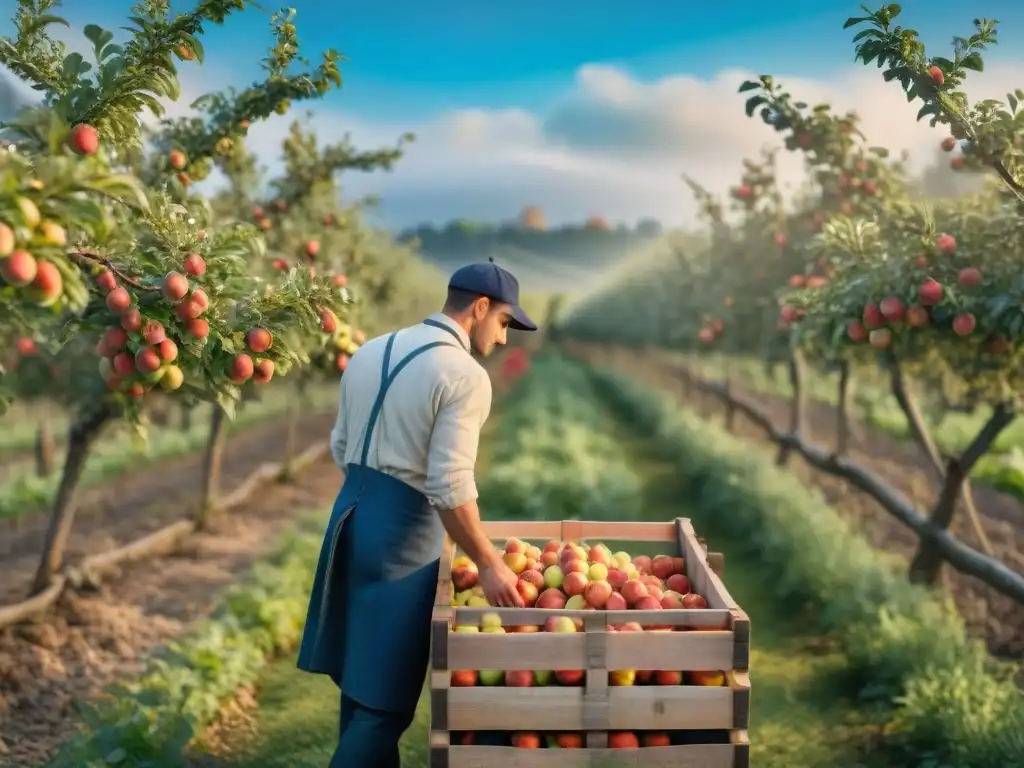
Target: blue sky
(410, 58)
(581, 107)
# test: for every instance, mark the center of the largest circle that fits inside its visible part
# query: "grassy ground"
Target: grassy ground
(801, 717)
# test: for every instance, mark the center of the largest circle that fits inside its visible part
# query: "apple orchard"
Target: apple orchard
(122, 287)
(862, 268)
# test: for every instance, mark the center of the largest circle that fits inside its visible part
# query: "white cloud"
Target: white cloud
(613, 145)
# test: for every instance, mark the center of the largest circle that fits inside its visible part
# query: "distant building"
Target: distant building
(597, 222)
(534, 218)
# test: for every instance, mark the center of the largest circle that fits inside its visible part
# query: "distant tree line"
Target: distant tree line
(462, 240)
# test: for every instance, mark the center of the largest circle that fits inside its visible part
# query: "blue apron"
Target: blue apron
(368, 624)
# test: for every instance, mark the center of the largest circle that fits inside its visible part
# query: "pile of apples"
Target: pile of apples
(565, 575)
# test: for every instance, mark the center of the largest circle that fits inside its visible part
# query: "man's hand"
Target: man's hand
(499, 585)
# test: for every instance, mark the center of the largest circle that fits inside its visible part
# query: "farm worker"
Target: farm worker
(412, 407)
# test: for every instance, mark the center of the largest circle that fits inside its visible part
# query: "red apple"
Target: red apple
(596, 593)
(930, 293)
(667, 677)
(574, 583)
(551, 599)
(634, 590)
(692, 600)
(528, 592)
(662, 566)
(519, 678)
(623, 740)
(532, 576)
(617, 577)
(570, 677)
(677, 582)
(615, 602)
(464, 678)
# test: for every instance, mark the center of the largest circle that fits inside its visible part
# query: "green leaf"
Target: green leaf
(930, 108)
(973, 62)
(116, 757)
(753, 103)
(71, 68)
(110, 50)
(93, 33)
(866, 33)
(855, 20)
(1012, 101)
(749, 85)
(197, 47)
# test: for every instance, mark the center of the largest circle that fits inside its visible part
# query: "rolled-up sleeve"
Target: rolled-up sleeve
(464, 407)
(339, 436)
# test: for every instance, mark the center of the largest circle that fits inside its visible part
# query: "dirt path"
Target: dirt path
(800, 714)
(94, 639)
(130, 505)
(990, 616)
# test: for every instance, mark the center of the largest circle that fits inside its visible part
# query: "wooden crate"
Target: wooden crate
(722, 642)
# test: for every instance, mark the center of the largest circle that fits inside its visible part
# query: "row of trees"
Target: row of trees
(120, 286)
(856, 272)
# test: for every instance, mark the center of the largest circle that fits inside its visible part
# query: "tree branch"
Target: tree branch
(95, 258)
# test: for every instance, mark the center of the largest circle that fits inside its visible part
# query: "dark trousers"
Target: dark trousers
(369, 737)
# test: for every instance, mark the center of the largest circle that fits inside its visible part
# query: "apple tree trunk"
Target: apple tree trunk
(295, 410)
(212, 459)
(798, 404)
(926, 567)
(44, 449)
(82, 436)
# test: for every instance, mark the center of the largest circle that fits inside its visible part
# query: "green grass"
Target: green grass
(801, 714)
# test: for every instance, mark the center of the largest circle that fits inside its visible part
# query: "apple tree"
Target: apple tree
(148, 279)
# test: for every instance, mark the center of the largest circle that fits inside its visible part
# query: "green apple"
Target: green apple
(575, 603)
(553, 577)
(492, 677)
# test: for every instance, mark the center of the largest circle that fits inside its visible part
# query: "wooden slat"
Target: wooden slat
(519, 617)
(677, 651)
(522, 529)
(739, 684)
(690, 756)
(629, 531)
(596, 701)
(576, 530)
(654, 708)
(741, 742)
(440, 754)
(702, 578)
(680, 651)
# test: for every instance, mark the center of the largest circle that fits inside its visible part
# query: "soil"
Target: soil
(95, 638)
(990, 616)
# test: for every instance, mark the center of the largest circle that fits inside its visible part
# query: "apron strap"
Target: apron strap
(387, 379)
(446, 329)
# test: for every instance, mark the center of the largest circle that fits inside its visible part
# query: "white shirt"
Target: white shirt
(428, 430)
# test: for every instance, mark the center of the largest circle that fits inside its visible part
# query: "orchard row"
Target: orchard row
(856, 263)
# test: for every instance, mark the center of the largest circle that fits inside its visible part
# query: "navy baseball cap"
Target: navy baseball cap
(490, 280)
